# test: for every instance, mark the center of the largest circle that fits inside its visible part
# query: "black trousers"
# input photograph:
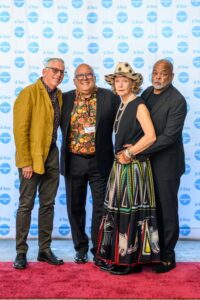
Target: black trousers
(81, 171)
(47, 185)
(166, 192)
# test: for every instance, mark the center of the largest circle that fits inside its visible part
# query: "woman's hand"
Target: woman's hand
(122, 158)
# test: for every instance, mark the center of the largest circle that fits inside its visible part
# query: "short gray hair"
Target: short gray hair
(48, 61)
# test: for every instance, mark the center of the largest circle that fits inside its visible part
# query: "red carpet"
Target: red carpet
(70, 280)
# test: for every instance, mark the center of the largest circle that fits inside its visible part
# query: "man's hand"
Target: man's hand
(27, 172)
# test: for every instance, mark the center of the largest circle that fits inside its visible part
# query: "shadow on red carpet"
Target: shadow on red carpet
(72, 281)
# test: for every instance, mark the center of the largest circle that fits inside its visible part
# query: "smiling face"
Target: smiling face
(123, 87)
(162, 76)
(53, 73)
(84, 79)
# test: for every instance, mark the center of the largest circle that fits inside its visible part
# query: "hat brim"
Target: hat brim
(137, 77)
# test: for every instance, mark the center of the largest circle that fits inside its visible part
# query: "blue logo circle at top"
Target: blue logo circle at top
(33, 76)
(108, 62)
(4, 47)
(138, 62)
(152, 16)
(33, 230)
(77, 3)
(196, 61)
(186, 138)
(4, 229)
(48, 32)
(197, 214)
(93, 48)
(19, 3)
(5, 168)
(64, 229)
(182, 47)
(181, 16)
(19, 31)
(19, 62)
(137, 32)
(122, 17)
(166, 3)
(183, 77)
(47, 3)
(123, 47)
(17, 184)
(5, 107)
(63, 48)
(187, 169)
(197, 154)
(92, 17)
(196, 92)
(77, 32)
(167, 31)
(5, 77)
(62, 17)
(195, 2)
(136, 3)
(184, 199)
(153, 47)
(18, 90)
(107, 32)
(184, 230)
(106, 3)
(197, 123)
(4, 16)
(5, 137)
(33, 17)
(77, 61)
(196, 31)
(197, 184)
(5, 199)
(66, 78)
(62, 199)
(33, 47)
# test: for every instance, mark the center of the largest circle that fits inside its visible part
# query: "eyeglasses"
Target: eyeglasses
(84, 75)
(56, 71)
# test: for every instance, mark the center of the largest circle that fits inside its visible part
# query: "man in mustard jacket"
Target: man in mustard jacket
(36, 120)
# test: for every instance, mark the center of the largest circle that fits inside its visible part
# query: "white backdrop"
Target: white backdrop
(100, 33)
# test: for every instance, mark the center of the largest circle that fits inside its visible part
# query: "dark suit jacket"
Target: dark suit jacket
(107, 106)
(168, 115)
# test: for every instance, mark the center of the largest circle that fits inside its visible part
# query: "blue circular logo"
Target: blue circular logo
(195, 2)
(17, 184)
(106, 3)
(5, 137)
(77, 61)
(93, 48)
(138, 62)
(186, 138)
(64, 230)
(196, 31)
(47, 3)
(197, 184)
(166, 3)
(108, 62)
(18, 90)
(77, 32)
(197, 154)
(107, 32)
(197, 215)
(153, 47)
(196, 61)
(63, 48)
(196, 92)
(33, 77)
(19, 62)
(4, 47)
(197, 123)
(152, 16)
(33, 17)
(19, 31)
(137, 32)
(5, 107)
(48, 32)
(122, 17)
(92, 17)
(5, 168)
(4, 229)
(184, 230)
(33, 47)
(19, 3)
(5, 77)
(185, 199)
(181, 16)
(77, 3)
(62, 17)
(4, 16)
(182, 47)
(136, 3)
(167, 31)
(187, 169)
(123, 47)
(62, 199)
(183, 77)
(34, 230)
(5, 199)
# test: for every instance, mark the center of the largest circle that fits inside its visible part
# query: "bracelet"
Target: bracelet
(130, 154)
(127, 154)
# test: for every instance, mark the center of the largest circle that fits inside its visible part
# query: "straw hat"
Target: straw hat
(124, 69)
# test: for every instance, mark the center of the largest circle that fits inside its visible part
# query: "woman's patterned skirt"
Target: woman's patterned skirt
(128, 232)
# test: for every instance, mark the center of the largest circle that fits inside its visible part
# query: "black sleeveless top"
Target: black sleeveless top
(128, 130)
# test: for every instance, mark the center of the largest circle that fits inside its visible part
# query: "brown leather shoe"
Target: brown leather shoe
(49, 257)
(20, 261)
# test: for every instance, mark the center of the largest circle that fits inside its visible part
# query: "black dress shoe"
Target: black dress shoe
(49, 257)
(125, 270)
(107, 267)
(20, 261)
(98, 262)
(164, 266)
(81, 257)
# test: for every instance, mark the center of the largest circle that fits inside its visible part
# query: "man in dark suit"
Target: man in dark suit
(168, 111)
(88, 114)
